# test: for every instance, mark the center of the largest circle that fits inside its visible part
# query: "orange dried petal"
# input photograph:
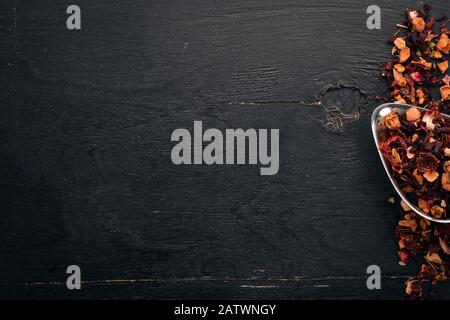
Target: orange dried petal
(443, 44)
(445, 92)
(418, 24)
(419, 179)
(412, 224)
(400, 43)
(405, 205)
(413, 114)
(443, 66)
(399, 67)
(424, 63)
(405, 53)
(423, 204)
(431, 176)
(445, 181)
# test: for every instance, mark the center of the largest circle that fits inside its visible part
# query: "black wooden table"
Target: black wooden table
(86, 174)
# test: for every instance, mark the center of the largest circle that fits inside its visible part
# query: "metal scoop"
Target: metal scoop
(377, 114)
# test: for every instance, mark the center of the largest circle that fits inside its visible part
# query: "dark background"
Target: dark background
(85, 170)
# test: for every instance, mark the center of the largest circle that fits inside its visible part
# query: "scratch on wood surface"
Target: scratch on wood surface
(293, 279)
(258, 286)
(342, 104)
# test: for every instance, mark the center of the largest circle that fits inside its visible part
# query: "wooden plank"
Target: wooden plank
(88, 176)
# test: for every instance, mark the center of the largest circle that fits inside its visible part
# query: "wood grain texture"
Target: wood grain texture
(85, 163)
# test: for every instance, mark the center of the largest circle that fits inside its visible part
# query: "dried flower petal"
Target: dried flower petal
(447, 152)
(400, 43)
(427, 162)
(431, 176)
(412, 224)
(418, 177)
(433, 257)
(404, 257)
(397, 74)
(443, 66)
(446, 79)
(409, 154)
(417, 77)
(420, 94)
(443, 44)
(413, 114)
(405, 53)
(418, 24)
(444, 246)
(405, 205)
(413, 287)
(423, 63)
(445, 181)
(392, 121)
(445, 92)
(399, 67)
(424, 205)
(437, 212)
(429, 118)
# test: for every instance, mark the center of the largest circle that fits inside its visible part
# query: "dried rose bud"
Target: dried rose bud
(404, 257)
(417, 77)
(418, 24)
(427, 162)
(413, 114)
